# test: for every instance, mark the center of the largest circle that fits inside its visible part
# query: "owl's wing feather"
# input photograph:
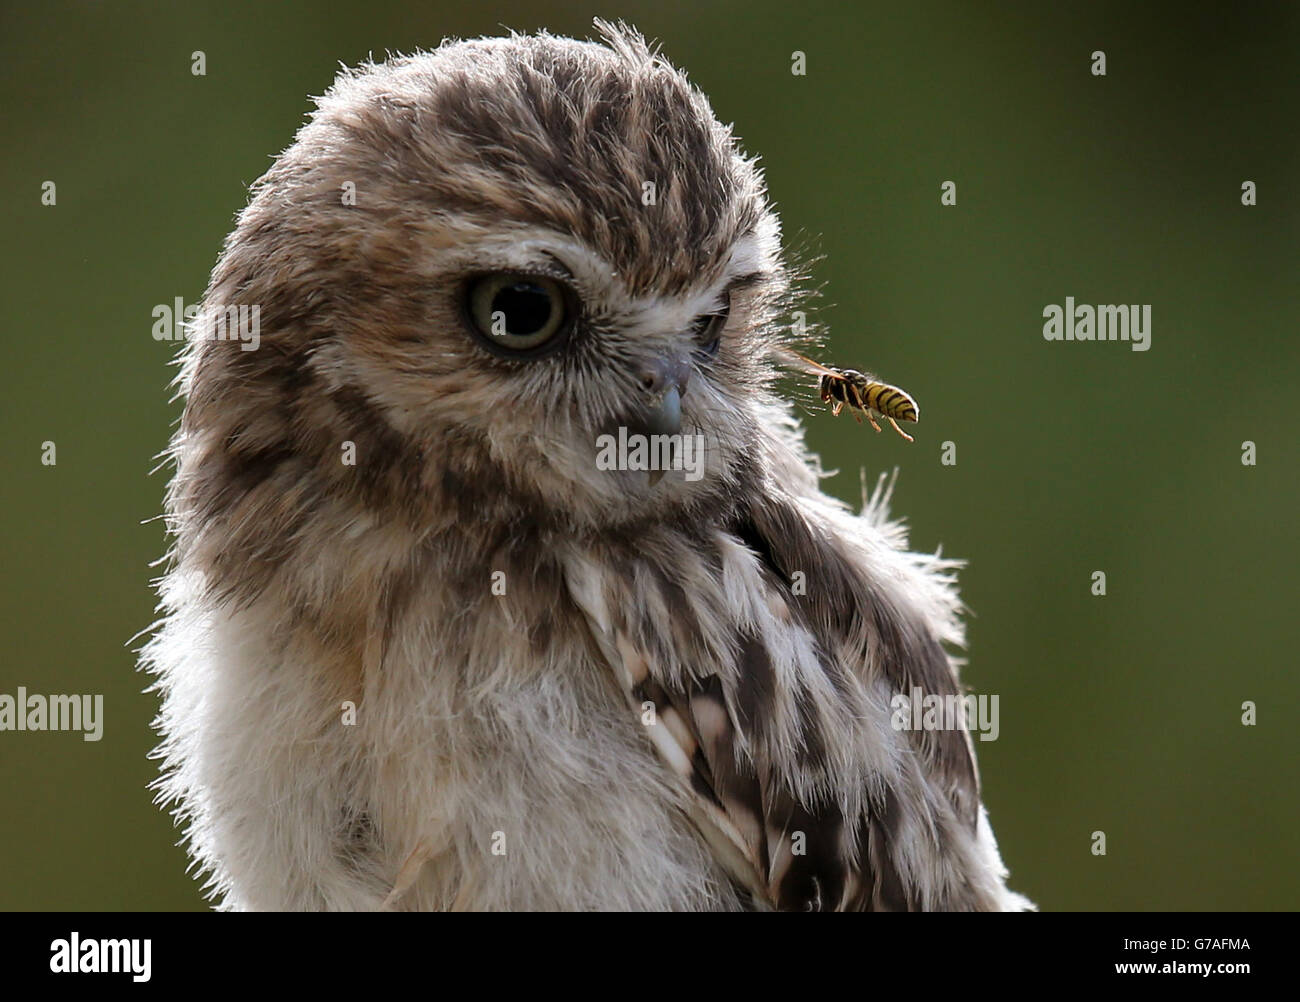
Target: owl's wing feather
(684, 741)
(778, 728)
(749, 824)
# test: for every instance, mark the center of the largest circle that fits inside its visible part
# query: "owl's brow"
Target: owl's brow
(737, 284)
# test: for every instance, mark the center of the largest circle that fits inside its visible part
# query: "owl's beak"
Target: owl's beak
(664, 381)
(664, 416)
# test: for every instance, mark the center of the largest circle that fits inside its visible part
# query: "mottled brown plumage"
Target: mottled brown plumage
(680, 684)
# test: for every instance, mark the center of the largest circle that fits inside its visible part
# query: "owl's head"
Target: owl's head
(489, 269)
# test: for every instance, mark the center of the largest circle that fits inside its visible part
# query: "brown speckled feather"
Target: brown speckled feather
(735, 729)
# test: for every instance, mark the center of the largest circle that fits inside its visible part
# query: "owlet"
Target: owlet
(501, 576)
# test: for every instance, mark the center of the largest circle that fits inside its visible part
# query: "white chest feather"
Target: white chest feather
(476, 768)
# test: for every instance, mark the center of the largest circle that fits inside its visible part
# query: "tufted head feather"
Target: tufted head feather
(523, 154)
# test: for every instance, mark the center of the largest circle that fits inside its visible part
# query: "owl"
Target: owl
(500, 576)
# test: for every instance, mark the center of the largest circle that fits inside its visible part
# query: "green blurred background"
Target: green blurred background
(1119, 714)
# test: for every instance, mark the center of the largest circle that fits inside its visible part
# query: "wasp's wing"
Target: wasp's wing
(807, 364)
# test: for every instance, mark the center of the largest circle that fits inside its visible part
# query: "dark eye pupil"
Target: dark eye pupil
(526, 306)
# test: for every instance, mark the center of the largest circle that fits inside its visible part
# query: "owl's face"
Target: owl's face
(487, 264)
(532, 345)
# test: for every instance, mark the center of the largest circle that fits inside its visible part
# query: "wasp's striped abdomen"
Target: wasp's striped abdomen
(889, 401)
(863, 392)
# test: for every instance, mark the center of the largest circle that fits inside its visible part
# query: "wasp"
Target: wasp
(861, 391)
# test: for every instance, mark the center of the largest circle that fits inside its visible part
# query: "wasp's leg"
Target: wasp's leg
(856, 403)
(872, 418)
(900, 430)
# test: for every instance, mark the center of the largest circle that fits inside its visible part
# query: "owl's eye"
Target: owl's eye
(707, 328)
(518, 313)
